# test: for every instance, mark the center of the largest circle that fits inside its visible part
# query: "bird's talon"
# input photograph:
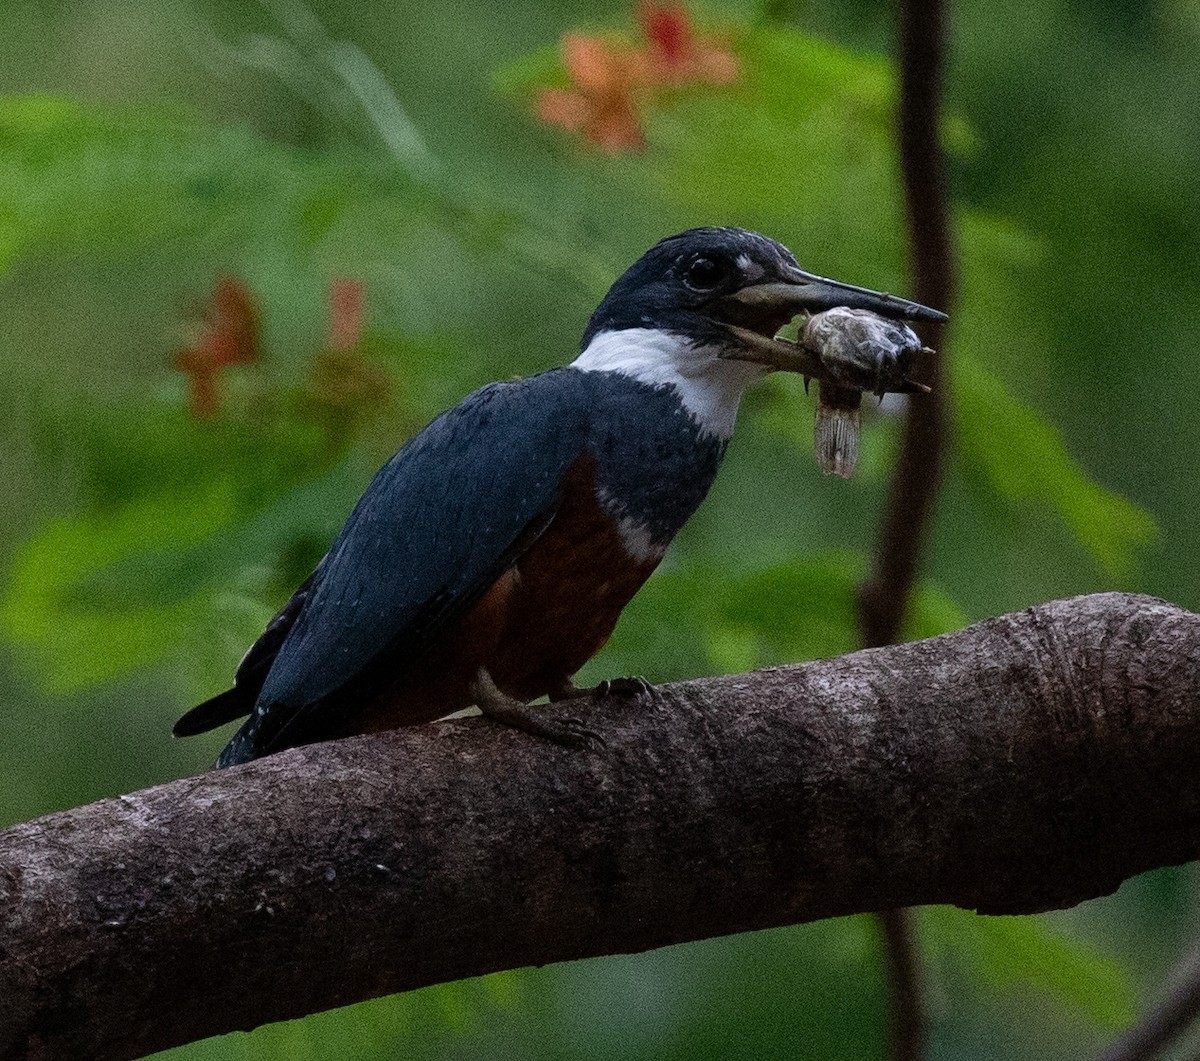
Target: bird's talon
(577, 735)
(633, 687)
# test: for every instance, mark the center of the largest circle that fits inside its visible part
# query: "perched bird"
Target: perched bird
(491, 556)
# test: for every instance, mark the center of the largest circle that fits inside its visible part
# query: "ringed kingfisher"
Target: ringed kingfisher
(491, 556)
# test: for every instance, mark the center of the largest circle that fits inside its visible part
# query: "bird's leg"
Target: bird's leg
(630, 687)
(503, 708)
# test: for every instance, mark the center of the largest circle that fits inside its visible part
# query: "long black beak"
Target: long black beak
(756, 312)
(801, 292)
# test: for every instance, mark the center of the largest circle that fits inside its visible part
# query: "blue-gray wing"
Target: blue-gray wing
(437, 525)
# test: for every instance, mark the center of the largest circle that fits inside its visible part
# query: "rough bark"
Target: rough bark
(1028, 762)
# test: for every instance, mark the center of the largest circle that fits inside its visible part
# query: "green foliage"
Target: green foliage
(780, 613)
(96, 178)
(144, 549)
(1030, 952)
(372, 1029)
(97, 596)
(809, 126)
(1022, 458)
(77, 175)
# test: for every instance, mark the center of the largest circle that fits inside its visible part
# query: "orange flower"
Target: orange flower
(600, 104)
(229, 335)
(345, 390)
(677, 54)
(609, 82)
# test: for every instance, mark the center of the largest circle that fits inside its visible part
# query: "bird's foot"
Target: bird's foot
(631, 688)
(503, 708)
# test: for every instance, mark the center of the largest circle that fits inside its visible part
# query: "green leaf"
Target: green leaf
(90, 177)
(521, 77)
(76, 643)
(801, 147)
(376, 1028)
(1010, 951)
(931, 612)
(803, 609)
(1022, 457)
(99, 594)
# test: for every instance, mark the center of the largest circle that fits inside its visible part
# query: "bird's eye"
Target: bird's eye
(705, 273)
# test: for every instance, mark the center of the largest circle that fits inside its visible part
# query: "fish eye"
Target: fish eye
(705, 274)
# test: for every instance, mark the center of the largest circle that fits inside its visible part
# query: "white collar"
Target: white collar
(709, 386)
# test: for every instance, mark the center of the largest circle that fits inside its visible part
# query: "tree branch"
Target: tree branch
(1026, 763)
(906, 1024)
(884, 597)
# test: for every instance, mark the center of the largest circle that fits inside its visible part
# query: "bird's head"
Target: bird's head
(700, 309)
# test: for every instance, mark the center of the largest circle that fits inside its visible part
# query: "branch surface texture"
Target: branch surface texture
(1028, 762)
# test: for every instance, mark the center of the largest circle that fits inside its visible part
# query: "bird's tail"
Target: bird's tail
(242, 747)
(225, 707)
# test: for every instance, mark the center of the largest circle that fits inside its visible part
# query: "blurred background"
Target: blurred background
(248, 248)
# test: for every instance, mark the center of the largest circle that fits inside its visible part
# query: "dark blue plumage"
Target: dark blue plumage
(653, 458)
(433, 529)
(440, 522)
(491, 556)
